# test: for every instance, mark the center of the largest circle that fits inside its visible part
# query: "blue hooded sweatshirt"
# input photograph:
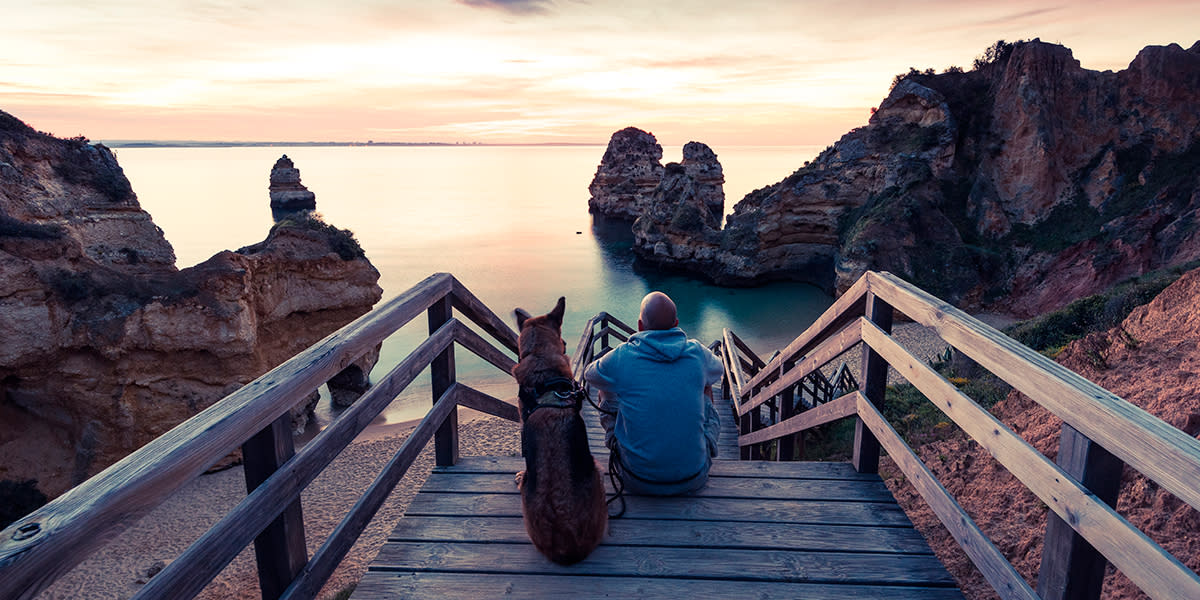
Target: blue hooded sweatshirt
(666, 429)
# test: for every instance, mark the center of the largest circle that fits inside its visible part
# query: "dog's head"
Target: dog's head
(541, 336)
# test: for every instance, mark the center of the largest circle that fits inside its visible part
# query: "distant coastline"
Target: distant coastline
(221, 144)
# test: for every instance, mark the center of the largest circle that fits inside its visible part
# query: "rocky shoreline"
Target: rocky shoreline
(1017, 186)
(108, 345)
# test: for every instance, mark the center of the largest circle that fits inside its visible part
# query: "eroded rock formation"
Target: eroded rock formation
(106, 344)
(680, 223)
(1019, 186)
(627, 176)
(287, 193)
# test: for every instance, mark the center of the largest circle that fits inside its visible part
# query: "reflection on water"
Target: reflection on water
(511, 223)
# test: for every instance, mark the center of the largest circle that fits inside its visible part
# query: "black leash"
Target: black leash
(614, 466)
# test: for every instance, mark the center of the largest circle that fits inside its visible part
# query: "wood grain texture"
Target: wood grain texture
(196, 566)
(480, 347)
(309, 581)
(756, 488)
(471, 586)
(825, 351)
(1151, 568)
(848, 307)
(280, 550)
(653, 561)
(994, 567)
(846, 406)
(694, 509)
(865, 452)
(479, 313)
(696, 534)
(79, 521)
(486, 403)
(1163, 453)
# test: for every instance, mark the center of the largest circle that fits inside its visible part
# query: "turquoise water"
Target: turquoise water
(511, 223)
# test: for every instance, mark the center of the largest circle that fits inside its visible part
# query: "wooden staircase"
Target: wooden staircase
(758, 529)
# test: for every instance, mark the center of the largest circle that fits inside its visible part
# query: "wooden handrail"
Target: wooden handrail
(1163, 453)
(1143, 561)
(42, 546)
(825, 351)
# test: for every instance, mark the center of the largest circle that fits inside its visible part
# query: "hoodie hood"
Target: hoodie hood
(663, 345)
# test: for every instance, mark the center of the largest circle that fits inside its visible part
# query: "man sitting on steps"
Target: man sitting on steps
(656, 404)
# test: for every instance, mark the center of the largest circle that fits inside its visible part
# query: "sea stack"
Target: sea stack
(701, 165)
(627, 176)
(288, 195)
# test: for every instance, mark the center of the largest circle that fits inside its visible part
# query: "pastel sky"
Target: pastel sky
(527, 71)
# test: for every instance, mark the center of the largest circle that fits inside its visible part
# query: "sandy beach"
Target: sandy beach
(120, 568)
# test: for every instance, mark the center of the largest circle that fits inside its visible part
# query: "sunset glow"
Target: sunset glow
(520, 71)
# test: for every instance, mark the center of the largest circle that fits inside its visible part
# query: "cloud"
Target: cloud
(513, 7)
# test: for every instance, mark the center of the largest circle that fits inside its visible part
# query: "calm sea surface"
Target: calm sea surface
(511, 223)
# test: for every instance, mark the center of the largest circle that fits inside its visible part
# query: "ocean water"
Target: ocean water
(511, 223)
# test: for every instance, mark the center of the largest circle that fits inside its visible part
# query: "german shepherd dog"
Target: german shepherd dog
(562, 494)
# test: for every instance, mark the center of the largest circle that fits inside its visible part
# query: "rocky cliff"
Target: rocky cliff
(679, 226)
(106, 344)
(1150, 359)
(628, 173)
(1019, 185)
(287, 193)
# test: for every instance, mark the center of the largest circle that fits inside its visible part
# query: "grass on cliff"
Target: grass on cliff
(1050, 332)
(342, 241)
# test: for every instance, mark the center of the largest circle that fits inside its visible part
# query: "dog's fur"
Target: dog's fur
(562, 493)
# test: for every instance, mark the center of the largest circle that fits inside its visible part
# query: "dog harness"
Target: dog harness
(558, 392)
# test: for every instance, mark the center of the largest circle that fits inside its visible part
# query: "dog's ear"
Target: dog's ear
(556, 315)
(522, 316)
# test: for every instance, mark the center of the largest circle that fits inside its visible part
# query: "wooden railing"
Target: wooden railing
(602, 329)
(39, 548)
(1100, 432)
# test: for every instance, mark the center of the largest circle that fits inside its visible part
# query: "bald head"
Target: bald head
(658, 312)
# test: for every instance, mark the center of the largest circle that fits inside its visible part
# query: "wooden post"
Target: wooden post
(441, 372)
(873, 386)
(786, 444)
(280, 549)
(1071, 567)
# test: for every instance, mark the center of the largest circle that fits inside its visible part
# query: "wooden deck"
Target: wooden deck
(758, 529)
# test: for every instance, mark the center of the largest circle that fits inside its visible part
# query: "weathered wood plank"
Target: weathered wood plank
(314, 575)
(479, 313)
(703, 534)
(756, 362)
(720, 468)
(86, 516)
(717, 487)
(999, 573)
(1151, 568)
(481, 348)
(734, 366)
(843, 407)
(694, 508)
(441, 378)
(197, 565)
(280, 550)
(827, 350)
(1163, 453)
(486, 403)
(470, 586)
(1071, 568)
(847, 308)
(865, 457)
(745, 565)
